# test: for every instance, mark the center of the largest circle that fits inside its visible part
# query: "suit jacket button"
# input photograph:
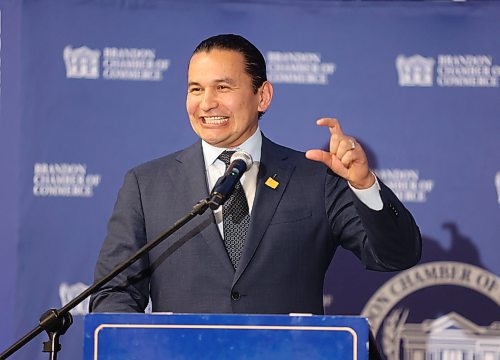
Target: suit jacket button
(235, 295)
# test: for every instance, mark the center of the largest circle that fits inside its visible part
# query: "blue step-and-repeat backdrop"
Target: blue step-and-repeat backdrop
(92, 88)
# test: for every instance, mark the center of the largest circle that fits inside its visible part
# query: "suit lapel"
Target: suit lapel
(273, 164)
(193, 172)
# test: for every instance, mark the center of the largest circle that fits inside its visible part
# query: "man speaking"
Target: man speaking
(268, 247)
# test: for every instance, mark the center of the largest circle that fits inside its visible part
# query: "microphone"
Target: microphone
(240, 162)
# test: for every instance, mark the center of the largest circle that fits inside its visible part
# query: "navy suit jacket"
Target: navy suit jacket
(293, 234)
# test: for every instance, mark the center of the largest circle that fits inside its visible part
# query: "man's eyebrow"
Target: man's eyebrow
(216, 81)
(225, 80)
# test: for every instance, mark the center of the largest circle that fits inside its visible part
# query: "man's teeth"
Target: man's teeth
(215, 120)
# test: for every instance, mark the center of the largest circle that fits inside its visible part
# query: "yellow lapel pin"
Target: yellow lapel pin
(273, 184)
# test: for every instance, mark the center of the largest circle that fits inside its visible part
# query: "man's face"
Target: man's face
(221, 104)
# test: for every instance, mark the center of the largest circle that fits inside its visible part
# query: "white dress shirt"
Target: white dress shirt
(215, 168)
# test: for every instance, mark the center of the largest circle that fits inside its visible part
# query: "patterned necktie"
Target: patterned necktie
(235, 217)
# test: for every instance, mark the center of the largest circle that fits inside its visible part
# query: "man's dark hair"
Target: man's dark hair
(255, 65)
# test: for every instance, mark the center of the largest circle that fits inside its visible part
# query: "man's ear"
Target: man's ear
(266, 95)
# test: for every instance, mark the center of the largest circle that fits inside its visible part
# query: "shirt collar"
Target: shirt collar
(252, 145)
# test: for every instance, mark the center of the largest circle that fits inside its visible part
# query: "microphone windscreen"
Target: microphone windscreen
(243, 155)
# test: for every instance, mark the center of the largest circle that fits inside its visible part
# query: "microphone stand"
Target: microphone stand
(56, 321)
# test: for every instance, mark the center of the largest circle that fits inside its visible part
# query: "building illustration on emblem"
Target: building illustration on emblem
(82, 62)
(415, 70)
(449, 337)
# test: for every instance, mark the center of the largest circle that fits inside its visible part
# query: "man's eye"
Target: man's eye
(194, 90)
(222, 87)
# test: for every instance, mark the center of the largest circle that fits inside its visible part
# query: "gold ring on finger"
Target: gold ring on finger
(353, 144)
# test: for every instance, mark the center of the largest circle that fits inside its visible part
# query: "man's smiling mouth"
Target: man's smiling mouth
(215, 120)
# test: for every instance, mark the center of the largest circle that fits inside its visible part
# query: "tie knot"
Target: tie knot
(225, 157)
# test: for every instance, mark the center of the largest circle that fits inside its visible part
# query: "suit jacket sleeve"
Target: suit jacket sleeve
(384, 240)
(128, 292)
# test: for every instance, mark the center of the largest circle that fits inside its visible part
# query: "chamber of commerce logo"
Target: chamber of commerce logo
(63, 180)
(452, 70)
(406, 184)
(450, 336)
(81, 63)
(116, 64)
(415, 70)
(298, 68)
(68, 292)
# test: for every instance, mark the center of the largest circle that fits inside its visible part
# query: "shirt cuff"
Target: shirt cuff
(370, 196)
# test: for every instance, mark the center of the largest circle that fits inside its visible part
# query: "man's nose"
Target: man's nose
(209, 100)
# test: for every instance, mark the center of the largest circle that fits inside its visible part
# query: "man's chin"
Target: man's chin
(216, 141)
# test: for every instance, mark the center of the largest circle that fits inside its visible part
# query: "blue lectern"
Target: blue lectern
(199, 336)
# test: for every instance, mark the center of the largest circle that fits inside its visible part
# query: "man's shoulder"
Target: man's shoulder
(297, 157)
(167, 162)
(278, 150)
(160, 162)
